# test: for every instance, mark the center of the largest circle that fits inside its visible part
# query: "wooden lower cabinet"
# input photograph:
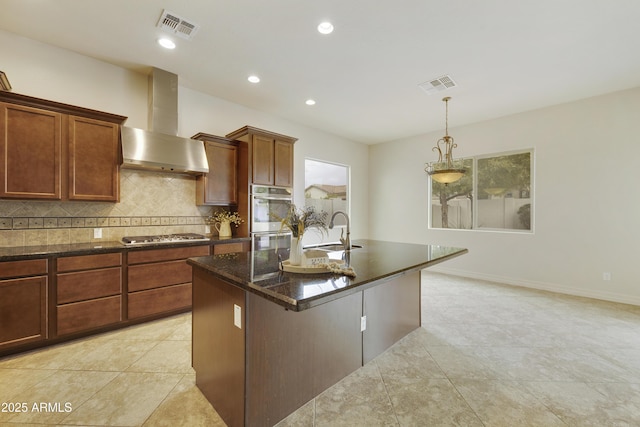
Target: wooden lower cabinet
(227, 248)
(159, 280)
(23, 310)
(85, 315)
(54, 299)
(157, 275)
(89, 292)
(155, 301)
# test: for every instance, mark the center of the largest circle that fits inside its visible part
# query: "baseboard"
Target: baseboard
(542, 286)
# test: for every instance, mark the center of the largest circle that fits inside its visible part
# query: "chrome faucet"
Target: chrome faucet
(346, 242)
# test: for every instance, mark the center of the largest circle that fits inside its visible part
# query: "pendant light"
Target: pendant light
(445, 172)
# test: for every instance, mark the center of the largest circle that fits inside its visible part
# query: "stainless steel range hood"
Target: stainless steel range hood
(159, 148)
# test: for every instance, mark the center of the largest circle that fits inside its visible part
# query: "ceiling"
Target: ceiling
(505, 56)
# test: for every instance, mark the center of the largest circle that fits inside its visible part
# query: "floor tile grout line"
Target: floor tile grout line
(386, 390)
(164, 400)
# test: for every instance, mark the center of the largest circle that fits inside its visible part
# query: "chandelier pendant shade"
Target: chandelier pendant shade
(445, 171)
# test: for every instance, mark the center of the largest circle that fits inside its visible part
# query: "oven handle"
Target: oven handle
(270, 233)
(283, 198)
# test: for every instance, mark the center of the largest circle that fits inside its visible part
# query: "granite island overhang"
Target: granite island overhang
(266, 342)
(374, 262)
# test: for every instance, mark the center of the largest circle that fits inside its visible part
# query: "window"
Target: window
(494, 194)
(326, 187)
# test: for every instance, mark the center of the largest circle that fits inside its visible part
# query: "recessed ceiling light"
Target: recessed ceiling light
(254, 79)
(325, 28)
(310, 102)
(166, 43)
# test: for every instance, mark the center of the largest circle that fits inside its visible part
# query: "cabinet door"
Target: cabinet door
(23, 308)
(219, 186)
(283, 164)
(94, 170)
(263, 166)
(30, 143)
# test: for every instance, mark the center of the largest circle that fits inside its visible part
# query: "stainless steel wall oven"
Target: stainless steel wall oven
(265, 201)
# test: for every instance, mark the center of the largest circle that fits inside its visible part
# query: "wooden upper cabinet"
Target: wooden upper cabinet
(271, 156)
(30, 144)
(283, 164)
(57, 151)
(219, 186)
(263, 163)
(94, 167)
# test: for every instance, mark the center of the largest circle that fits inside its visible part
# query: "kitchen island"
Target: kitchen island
(265, 342)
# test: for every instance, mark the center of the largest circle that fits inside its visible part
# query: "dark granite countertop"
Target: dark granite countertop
(16, 253)
(375, 262)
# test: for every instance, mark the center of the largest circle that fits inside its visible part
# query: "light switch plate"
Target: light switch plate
(237, 316)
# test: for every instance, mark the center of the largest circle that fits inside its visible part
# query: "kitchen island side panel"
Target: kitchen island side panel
(392, 311)
(294, 356)
(218, 345)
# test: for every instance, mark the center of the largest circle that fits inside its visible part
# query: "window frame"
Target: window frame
(340, 220)
(475, 199)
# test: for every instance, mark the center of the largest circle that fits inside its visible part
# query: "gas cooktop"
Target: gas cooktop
(163, 238)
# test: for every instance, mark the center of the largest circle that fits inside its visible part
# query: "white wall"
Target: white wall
(43, 71)
(586, 198)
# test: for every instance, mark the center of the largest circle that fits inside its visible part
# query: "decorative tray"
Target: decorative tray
(309, 269)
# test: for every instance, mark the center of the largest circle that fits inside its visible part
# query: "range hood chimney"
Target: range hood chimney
(160, 148)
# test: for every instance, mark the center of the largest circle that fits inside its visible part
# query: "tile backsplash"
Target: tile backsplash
(150, 203)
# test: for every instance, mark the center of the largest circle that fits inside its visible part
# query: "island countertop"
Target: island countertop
(375, 261)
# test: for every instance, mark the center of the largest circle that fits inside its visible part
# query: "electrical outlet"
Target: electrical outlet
(606, 276)
(363, 323)
(237, 316)
(97, 233)
(207, 229)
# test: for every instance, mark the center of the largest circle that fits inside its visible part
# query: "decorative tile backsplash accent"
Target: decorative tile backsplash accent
(31, 223)
(150, 203)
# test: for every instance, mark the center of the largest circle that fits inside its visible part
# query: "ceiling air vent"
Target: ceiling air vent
(437, 85)
(177, 25)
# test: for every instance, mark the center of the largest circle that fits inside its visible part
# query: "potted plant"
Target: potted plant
(222, 220)
(298, 221)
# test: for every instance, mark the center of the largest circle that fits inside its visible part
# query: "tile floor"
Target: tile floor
(487, 355)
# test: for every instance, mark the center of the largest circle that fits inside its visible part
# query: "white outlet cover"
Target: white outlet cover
(237, 316)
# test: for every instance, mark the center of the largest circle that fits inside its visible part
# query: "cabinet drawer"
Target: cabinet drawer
(156, 301)
(23, 308)
(80, 316)
(31, 267)
(155, 255)
(225, 248)
(84, 285)
(85, 262)
(148, 276)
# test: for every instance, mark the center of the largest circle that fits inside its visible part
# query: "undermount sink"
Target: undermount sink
(332, 247)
